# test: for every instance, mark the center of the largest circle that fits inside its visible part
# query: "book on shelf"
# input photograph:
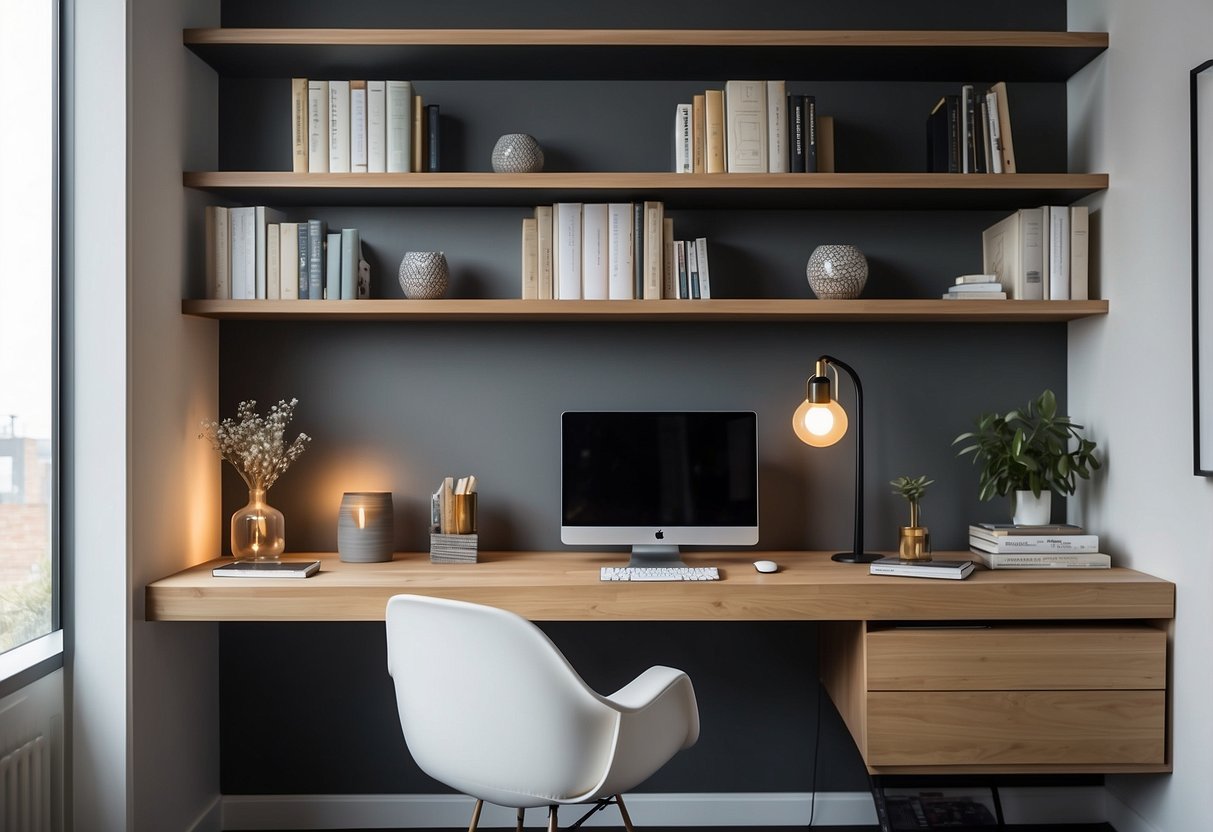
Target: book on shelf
(339, 127)
(669, 274)
(243, 239)
(299, 126)
(363, 289)
(288, 258)
(544, 251)
(683, 141)
(315, 259)
(680, 270)
(943, 136)
(1071, 543)
(317, 126)
(301, 246)
(332, 265)
(530, 258)
(433, 138)
(825, 144)
(970, 132)
(1005, 144)
(273, 261)
(620, 251)
(976, 279)
(701, 262)
(417, 129)
(262, 217)
(692, 271)
(376, 126)
(1013, 249)
(398, 115)
(810, 141)
(218, 252)
(267, 569)
(745, 126)
(1079, 252)
(985, 286)
(566, 221)
(358, 136)
(594, 251)
(638, 250)
(777, 127)
(967, 145)
(1041, 560)
(1057, 246)
(654, 259)
(1020, 529)
(796, 133)
(994, 131)
(351, 255)
(966, 293)
(948, 569)
(713, 145)
(698, 133)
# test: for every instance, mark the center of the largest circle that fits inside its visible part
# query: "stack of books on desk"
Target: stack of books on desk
(951, 569)
(1060, 546)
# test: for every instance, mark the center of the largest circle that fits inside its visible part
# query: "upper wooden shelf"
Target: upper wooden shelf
(879, 191)
(693, 54)
(916, 310)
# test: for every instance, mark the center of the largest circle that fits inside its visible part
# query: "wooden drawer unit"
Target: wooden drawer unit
(1003, 697)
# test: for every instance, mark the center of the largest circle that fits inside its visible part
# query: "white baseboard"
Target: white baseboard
(431, 811)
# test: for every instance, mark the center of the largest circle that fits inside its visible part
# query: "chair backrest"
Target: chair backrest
(489, 705)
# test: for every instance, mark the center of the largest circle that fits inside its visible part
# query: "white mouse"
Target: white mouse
(766, 566)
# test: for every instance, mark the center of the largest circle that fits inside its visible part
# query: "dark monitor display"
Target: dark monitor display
(659, 478)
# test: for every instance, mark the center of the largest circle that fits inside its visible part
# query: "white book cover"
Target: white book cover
(683, 146)
(566, 218)
(262, 217)
(745, 104)
(1033, 544)
(243, 222)
(376, 126)
(339, 127)
(620, 268)
(288, 258)
(992, 131)
(594, 251)
(1059, 252)
(701, 259)
(399, 126)
(546, 251)
(1025, 560)
(332, 266)
(530, 258)
(317, 126)
(273, 262)
(1079, 252)
(1032, 248)
(777, 127)
(358, 134)
(1000, 254)
(218, 253)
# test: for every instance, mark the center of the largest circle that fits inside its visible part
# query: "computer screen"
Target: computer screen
(657, 480)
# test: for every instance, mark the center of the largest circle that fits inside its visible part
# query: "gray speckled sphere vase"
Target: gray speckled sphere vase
(517, 153)
(424, 274)
(837, 272)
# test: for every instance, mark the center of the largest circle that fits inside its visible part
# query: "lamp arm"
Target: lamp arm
(828, 359)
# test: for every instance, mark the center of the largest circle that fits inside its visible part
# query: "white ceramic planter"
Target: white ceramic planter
(1030, 510)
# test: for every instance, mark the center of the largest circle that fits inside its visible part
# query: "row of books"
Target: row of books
(610, 251)
(362, 127)
(254, 253)
(1040, 253)
(970, 132)
(752, 127)
(1058, 546)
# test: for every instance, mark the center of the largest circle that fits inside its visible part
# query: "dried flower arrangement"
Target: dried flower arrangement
(255, 445)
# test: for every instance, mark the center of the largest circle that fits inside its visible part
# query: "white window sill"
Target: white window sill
(24, 664)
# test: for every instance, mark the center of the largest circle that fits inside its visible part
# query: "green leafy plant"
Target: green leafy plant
(1029, 449)
(913, 489)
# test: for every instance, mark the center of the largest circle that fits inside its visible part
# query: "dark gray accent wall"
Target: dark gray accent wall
(396, 406)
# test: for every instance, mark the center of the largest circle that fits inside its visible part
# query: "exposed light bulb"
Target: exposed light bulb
(819, 425)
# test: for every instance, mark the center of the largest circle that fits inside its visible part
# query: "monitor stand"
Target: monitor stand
(653, 556)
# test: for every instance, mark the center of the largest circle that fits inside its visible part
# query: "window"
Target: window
(28, 321)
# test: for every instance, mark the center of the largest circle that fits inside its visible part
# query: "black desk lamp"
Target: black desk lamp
(820, 421)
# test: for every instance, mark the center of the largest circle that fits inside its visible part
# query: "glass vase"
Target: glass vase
(258, 529)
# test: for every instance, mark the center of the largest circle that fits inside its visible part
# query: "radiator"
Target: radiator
(25, 787)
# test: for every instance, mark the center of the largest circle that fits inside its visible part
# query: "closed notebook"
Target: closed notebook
(267, 569)
(948, 569)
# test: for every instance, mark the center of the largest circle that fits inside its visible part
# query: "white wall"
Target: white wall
(1130, 376)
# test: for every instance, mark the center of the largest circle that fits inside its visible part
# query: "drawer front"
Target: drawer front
(1015, 727)
(1018, 657)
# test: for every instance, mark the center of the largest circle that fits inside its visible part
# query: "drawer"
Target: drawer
(1017, 657)
(1007, 728)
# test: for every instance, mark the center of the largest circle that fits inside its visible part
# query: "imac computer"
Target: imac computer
(658, 480)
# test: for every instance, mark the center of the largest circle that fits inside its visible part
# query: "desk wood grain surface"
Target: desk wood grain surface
(564, 586)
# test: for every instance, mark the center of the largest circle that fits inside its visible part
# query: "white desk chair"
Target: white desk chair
(490, 707)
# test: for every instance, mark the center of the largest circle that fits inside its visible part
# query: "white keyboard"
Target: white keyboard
(649, 573)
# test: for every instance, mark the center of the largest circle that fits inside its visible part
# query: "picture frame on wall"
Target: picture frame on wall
(1202, 267)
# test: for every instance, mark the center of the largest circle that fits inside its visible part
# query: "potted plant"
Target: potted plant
(1028, 454)
(914, 541)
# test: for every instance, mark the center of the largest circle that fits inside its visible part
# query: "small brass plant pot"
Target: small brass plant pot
(914, 543)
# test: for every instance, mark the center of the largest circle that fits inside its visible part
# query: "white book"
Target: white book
(1059, 252)
(530, 258)
(950, 569)
(777, 127)
(262, 217)
(288, 258)
(1024, 560)
(332, 266)
(546, 250)
(273, 262)
(376, 126)
(358, 134)
(991, 286)
(1000, 250)
(953, 295)
(683, 148)
(1079, 252)
(399, 126)
(1031, 280)
(218, 253)
(620, 267)
(299, 163)
(701, 261)
(566, 221)
(317, 126)
(339, 127)
(992, 132)
(745, 104)
(351, 253)
(243, 223)
(594, 251)
(976, 278)
(1035, 544)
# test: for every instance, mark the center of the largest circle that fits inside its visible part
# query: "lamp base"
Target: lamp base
(855, 557)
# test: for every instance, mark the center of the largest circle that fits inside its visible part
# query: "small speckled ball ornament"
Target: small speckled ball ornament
(837, 272)
(424, 274)
(517, 153)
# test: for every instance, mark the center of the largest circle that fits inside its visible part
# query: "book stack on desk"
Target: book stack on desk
(950, 569)
(1058, 546)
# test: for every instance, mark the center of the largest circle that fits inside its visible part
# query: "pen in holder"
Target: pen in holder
(453, 537)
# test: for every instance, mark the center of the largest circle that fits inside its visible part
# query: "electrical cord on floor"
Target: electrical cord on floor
(816, 732)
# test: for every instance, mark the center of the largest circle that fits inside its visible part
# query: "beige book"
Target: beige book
(544, 252)
(713, 144)
(669, 271)
(299, 125)
(418, 133)
(1004, 128)
(273, 262)
(825, 144)
(288, 258)
(218, 253)
(654, 251)
(318, 126)
(745, 121)
(1079, 248)
(777, 127)
(448, 505)
(530, 258)
(698, 127)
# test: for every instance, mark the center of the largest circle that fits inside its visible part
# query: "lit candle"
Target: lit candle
(365, 527)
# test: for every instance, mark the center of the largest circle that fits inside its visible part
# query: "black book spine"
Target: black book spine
(432, 139)
(971, 134)
(796, 133)
(810, 130)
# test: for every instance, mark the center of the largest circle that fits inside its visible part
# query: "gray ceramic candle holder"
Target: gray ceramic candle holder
(365, 527)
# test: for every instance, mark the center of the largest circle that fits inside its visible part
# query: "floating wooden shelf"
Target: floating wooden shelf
(696, 54)
(883, 191)
(911, 311)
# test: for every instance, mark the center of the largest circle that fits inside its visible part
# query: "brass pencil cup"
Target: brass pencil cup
(914, 543)
(465, 513)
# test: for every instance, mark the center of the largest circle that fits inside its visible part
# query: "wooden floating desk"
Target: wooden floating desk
(1055, 671)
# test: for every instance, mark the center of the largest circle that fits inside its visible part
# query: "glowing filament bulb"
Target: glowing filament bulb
(819, 425)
